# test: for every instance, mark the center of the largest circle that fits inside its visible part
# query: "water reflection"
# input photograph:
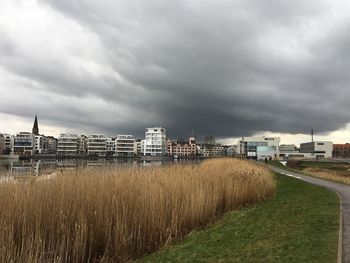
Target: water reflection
(32, 167)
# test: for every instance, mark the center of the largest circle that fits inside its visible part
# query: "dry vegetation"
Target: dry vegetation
(114, 215)
(328, 174)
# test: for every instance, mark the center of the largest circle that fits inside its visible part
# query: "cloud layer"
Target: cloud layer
(225, 68)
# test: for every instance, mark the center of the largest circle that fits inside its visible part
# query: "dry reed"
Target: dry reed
(114, 215)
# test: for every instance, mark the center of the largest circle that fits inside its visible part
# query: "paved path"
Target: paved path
(343, 191)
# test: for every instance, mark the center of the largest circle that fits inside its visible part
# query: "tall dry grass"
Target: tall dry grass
(114, 215)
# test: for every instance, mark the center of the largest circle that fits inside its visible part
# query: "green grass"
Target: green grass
(299, 224)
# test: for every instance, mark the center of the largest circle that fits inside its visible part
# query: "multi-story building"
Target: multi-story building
(138, 147)
(2, 144)
(96, 145)
(67, 144)
(259, 147)
(210, 150)
(52, 144)
(317, 149)
(125, 146)
(110, 146)
(23, 143)
(82, 145)
(155, 142)
(179, 148)
(40, 144)
(341, 150)
(8, 142)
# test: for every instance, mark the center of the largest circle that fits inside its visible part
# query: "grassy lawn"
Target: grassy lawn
(299, 224)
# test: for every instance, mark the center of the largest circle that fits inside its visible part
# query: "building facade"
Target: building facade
(259, 147)
(96, 145)
(182, 149)
(341, 150)
(110, 146)
(155, 142)
(23, 143)
(125, 146)
(317, 149)
(67, 144)
(2, 144)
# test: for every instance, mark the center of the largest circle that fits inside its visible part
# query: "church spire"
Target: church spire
(35, 130)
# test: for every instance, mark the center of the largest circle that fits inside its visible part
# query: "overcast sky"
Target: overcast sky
(227, 68)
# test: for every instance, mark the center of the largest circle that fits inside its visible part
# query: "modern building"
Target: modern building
(52, 143)
(2, 144)
(67, 144)
(182, 148)
(110, 146)
(317, 149)
(82, 145)
(40, 144)
(125, 146)
(259, 147)
(341, 150)
(138, 147)
(23, 143)
(210, 150)
(155, 142)
(8, 141)
(96, 145)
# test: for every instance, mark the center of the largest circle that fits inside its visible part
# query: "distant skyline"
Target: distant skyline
(222, 68)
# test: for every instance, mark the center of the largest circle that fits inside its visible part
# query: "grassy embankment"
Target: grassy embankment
(121, 214)
(333, 171)
(299, 224)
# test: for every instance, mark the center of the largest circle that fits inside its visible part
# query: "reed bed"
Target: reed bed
(115, 215)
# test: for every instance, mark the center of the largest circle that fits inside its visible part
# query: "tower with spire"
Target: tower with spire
(35, 129)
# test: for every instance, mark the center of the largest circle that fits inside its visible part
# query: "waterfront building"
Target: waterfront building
(2, 144)
(182, 148)
(67, 144)
(210, 150)
(155, 142)
(138, 147)
(110, 146)
(317, 149)
(8, 138)
(96, 145)
(259, 147)
(40, 144)
(23, 143)
(52, 144)
(82, 145)
(341, 150)
(125, 146)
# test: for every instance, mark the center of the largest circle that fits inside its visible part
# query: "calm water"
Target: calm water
(31, 167)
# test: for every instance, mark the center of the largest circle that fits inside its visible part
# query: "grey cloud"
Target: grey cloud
(227, 68)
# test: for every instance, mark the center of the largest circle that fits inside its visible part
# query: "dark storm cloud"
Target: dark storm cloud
(226, 68)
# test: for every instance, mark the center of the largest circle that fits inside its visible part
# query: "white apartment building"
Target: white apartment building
(96, 145)
(8, 141)
(317, 149)
(40, 144)
(155, 142)
(23, 143)
(259, 147)
(125, 146)
(67, 144)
